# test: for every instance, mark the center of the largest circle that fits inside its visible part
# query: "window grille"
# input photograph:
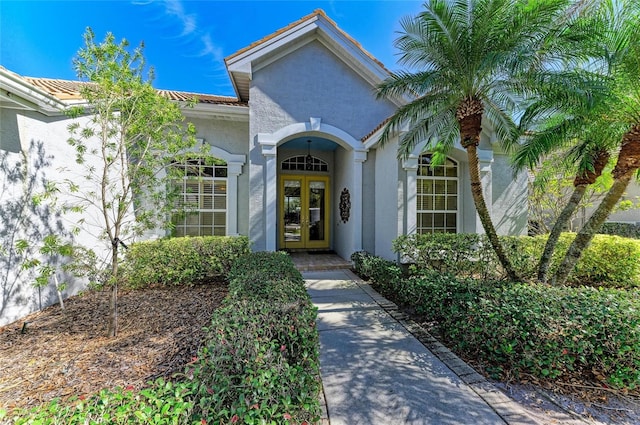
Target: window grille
(300, 163)
(437, 196)
(201, 204)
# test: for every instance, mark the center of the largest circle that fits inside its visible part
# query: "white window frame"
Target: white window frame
(193, 204)
(234, 169)
(299, 163)
(418, 211)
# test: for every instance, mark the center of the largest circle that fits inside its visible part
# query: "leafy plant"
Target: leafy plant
(380, 271)
(462, 254)
(626, 230)
(181, 261)
(260, 364)
(609, 261)
(53, 250)
(160, 403)
(515, 329)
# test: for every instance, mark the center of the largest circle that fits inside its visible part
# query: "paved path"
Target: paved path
(375, 372)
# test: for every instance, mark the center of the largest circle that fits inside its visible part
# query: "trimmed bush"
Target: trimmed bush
(462, 254)
(515, 329)
(380, 271)
(266, 275)
(609, 261)
(181, 261)
(260, 364)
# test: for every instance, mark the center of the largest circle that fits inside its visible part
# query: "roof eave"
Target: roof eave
(212, 110)
(23, 94)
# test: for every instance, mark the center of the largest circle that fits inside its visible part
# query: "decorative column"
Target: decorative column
(269, 151)
(234, 169)
(359, 156)
(410, 165)
(485, 159)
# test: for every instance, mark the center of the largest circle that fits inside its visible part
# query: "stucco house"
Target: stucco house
(302, 170)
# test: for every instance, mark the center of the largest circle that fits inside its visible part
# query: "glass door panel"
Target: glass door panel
(316, 210)
(292, 192)
(304, 203)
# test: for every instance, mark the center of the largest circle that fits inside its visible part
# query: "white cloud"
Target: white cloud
(210, 48)
(201, 41)
(176, 9)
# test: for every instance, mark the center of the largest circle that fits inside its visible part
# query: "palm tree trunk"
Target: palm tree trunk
(483, 212)
(558, 227)
(584, 237)
(580, 184)
(626, 166)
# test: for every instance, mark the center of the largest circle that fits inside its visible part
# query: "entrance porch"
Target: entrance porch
(318, 260)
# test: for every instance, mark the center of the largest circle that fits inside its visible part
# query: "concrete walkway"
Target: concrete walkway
(375, 372)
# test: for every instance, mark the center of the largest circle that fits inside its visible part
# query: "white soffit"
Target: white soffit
(223, 112)
(16, 93)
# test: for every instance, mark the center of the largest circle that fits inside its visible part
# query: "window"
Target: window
(437, 196)
(302, 163)
(201, 204)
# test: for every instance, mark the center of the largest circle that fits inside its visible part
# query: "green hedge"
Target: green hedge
(462, 254)
(609, 261)
(513, 329)
(375, 268)
(260, 364)
(548, 332)
(181, 261)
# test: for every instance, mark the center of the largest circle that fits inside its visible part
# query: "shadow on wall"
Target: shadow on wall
(24, 223)
(512, 200)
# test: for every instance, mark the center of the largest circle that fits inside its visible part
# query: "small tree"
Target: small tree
(620, 116)
(123, 144)
(25, 220)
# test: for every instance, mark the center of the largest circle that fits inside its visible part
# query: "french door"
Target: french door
(304, 212)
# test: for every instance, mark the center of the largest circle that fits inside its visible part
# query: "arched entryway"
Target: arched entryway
(307, 167)
(305, 194)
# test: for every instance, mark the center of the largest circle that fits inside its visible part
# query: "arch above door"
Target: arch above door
(357, 154)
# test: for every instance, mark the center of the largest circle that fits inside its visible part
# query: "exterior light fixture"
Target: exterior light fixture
(308, 160)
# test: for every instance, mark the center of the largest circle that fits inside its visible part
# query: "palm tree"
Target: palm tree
(591, 159)
(551, 123)
(620, 116)
(474, 61)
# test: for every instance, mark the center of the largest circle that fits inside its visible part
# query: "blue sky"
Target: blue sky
(185, 40)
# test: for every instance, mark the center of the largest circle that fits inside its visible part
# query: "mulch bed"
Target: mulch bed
(65, 352)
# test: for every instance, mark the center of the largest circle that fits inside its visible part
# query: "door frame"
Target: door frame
(304, 242)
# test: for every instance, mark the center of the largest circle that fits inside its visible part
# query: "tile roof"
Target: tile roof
(61, 89)
(378, 127)
(202, 98)
(316, 13)
(70, 90)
